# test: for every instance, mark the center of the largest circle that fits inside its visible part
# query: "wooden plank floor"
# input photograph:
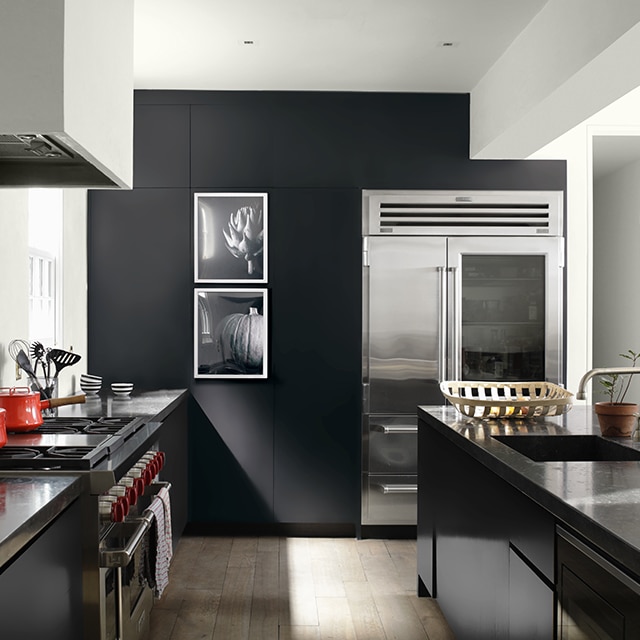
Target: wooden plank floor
(267, 588)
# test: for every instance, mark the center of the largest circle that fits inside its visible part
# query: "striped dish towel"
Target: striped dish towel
(161, 508)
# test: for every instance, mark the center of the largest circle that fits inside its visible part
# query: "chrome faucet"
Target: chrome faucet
(604, 371)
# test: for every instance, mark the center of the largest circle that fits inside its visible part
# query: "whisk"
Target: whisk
(14, 347)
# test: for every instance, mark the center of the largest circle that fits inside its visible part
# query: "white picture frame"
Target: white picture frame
(230, 238)
(230, 333)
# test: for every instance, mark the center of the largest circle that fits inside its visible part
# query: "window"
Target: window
(45, 249)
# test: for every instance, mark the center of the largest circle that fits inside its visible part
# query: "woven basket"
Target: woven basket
(507, 399)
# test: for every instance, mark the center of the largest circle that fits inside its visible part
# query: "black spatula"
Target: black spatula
(62, 359)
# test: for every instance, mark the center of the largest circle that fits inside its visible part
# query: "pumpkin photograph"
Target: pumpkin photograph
(230, 333)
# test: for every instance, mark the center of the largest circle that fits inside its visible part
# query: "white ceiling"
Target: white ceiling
(335, 45)
(323, 45)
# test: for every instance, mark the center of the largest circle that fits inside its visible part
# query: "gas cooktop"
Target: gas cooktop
(67, 443)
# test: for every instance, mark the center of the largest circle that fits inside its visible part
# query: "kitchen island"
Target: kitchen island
(491, 519)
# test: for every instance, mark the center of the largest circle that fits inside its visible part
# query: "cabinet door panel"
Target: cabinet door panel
(231, 147)
(316, 336)
(161, 142)
(530, 603)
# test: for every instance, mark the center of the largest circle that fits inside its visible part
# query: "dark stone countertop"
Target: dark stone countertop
(600, 500)
(154, 405)
(29, 501)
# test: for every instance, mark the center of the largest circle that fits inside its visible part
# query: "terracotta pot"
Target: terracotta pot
(617, 419)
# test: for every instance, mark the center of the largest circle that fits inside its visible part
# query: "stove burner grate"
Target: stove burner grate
(69, 452)
(107, 425)
(100, 425)
(46, 428)
(12, 453)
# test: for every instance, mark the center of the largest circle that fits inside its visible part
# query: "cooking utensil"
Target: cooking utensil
(24, 407)
(38, 353)
(25, 364)
(62, 359)
(14, 347)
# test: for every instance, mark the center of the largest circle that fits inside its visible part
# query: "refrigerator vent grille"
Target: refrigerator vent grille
(514, 213)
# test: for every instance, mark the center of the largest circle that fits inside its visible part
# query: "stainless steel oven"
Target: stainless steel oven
(124, 569)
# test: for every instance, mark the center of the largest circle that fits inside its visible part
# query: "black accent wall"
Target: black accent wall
(285, 449)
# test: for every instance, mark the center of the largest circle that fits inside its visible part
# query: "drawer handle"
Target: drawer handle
(398, 488)
(395, 428)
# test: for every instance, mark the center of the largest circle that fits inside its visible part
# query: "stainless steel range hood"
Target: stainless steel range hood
(66, 106)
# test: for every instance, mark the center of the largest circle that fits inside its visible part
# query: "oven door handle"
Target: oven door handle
(110, 558)
(122, 557)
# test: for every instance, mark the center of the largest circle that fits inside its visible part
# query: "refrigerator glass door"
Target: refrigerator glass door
(506, 309)
(403, 322)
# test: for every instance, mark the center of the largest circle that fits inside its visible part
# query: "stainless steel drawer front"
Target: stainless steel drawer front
(389, 499)
(393, 448)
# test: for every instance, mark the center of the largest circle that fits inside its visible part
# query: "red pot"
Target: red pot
(24, 408)
(3, 428)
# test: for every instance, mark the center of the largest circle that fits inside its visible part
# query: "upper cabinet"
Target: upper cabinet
(162, 145)
(231, 146)
(66, 108)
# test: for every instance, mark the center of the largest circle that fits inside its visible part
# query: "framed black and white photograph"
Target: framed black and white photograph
(230, 333)
(230, 244)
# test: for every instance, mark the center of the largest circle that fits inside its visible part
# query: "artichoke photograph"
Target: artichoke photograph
(230, 237)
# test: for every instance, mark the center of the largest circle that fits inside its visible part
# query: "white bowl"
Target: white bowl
(86, 377)
(122, 388)
(90, 390)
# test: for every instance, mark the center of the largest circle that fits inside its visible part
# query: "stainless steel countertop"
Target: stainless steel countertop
(28, 503)
(599, 499)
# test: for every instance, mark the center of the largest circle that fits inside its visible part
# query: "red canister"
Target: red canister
(3, 427)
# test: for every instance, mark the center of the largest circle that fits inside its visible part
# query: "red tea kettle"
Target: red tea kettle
(24, 408)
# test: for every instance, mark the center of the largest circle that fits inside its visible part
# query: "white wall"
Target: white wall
(14, 266)
(576, 148)
(616, 263)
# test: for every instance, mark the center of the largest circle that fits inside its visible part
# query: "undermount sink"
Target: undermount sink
(569, 448)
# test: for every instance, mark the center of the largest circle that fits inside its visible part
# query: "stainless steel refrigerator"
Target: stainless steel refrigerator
(456, 286)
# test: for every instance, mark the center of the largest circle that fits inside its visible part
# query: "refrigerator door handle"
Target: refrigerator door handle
(442, 325)
(456, 325)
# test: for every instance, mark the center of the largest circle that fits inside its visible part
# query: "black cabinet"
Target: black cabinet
(597, 600)
(174, 441)
(41, 589)
(482, 546)
(315, 341)
(140, 294)
(231, 147)
(161, 142)
(531, 601)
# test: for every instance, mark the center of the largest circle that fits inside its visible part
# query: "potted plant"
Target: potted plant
(616, 417)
